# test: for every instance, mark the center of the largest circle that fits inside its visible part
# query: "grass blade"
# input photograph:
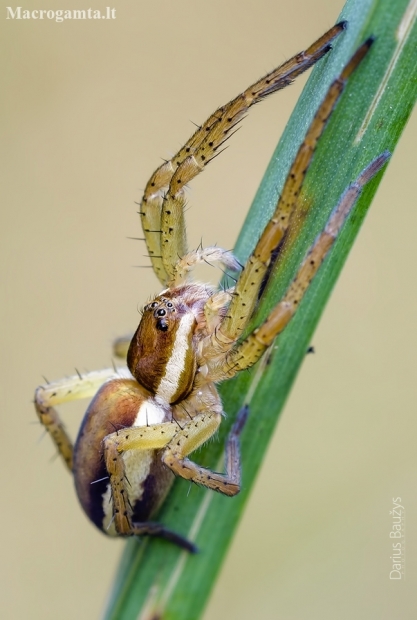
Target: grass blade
(155, 579)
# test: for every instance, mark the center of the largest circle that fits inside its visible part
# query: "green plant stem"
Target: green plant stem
(156, 579)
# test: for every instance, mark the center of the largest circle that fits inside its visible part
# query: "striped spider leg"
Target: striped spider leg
(162, 206)
(142, 425)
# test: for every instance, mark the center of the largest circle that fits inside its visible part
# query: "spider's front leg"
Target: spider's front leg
(245, 295)
(252, 348)
(162, 206)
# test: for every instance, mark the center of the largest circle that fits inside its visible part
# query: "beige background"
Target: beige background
(90, 107)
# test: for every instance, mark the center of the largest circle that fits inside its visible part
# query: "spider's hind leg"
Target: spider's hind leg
(65, 390)
(193, 435)
(115, 446)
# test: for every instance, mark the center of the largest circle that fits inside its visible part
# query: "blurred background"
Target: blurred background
(90, 108)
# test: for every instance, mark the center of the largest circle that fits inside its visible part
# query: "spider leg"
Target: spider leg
(140, 438)
(121, 346)
(65, 390)
(246, 292)
(251, 349)
(162, 213)
(150, 528)
(208, 255)
(193, 435)
(177, 443)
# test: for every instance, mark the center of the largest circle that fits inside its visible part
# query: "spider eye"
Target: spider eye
(169, 304)
(153, 304)
(160, 312)
(162, 325)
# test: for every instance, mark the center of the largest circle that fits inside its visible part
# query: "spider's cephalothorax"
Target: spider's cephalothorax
(161, 355)
(142, 425)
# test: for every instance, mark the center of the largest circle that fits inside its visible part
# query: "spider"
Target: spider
(143, 424)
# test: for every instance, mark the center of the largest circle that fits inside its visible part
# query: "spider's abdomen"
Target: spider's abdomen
(161, 355)
(119, 404)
